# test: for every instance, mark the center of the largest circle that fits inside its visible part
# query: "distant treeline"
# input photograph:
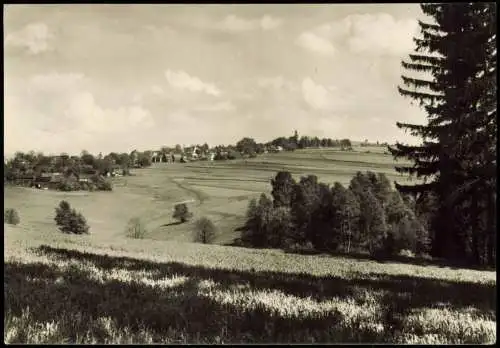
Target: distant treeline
(69, 173)
(89, 172)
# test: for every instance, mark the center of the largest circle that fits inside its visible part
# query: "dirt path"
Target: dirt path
(200, 197)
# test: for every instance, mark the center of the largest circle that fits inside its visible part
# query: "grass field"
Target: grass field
(106, 288)
(218, 190)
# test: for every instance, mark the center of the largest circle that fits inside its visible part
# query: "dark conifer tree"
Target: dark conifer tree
(457, 153)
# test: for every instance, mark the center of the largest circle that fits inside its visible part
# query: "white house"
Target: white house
(194, 153)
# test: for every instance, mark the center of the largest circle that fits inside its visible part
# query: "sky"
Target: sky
(121, 77)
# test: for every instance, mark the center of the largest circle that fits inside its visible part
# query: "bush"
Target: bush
(135, 228)
(11, 217)
(298, 248)
(181, 212)
(69, 220)
(205, 231)
(68, 185)
(101, 183)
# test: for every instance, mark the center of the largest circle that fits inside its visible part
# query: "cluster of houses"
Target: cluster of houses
(192, 153)
(195, 153)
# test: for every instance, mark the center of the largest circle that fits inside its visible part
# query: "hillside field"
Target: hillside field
(107, 288)
(218, 190)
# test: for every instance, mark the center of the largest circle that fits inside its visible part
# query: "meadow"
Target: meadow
(217, 190)
(107, 288)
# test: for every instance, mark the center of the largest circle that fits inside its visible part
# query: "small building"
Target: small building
(42, 181)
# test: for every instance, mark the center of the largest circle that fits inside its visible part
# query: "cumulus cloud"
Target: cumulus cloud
(316, 43)
(381, 34)
(234, 23)
(34, 38)
(374, 34)
(62, 106)
(94, 118)
(315, 95)
(182, 80)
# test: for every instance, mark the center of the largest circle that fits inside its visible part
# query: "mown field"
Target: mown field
(218, 190)
(107, 288)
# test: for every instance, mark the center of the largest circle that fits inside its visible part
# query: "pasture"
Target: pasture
(107, 288)
(218, 190)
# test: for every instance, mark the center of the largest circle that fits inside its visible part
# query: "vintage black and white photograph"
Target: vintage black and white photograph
(250, 173)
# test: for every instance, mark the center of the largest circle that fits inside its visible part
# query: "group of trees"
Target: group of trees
(457, 158)
(250, 147)
(454, 204)
(307, 142)
(367, 216)
(27, 168)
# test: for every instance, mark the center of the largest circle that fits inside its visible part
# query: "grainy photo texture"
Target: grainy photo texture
(223, 174)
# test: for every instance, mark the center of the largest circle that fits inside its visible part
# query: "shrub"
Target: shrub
(11, 217)
(205, 231)
(135, 228)
(181, 212)
(105, 185)
(101, 183)
(298, 248)
(68, 185)
(62, 212)
(69, 220)
(233, 155)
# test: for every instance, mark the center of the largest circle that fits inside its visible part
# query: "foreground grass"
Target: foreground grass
(74, 291)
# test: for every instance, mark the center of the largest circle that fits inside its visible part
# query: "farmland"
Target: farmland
(106, 288)
(218, 190)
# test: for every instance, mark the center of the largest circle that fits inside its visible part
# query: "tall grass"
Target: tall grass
(63, 295)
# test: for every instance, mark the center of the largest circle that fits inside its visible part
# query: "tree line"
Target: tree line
(454, 205)
(367, 216)
(26, 168)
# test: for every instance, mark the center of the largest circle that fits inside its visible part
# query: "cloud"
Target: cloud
(55, 82)
(93, 118)
(373, 34)
(234, 23)
(381, 34)
(34, 37)
(316, 95)
(316, 43)
(63, 113)
(182, 80)
(157, 90)
(277, 83)
(220, 106)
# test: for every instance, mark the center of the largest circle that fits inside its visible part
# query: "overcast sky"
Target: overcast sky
(123, 77)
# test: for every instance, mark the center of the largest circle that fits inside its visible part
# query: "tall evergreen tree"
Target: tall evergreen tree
(454, 50)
